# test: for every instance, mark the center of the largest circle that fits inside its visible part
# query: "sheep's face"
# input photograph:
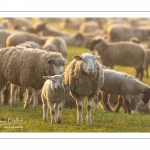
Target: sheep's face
(96, 44)
(57, 65)
(56, 80)
(146, 96)
(88, 62)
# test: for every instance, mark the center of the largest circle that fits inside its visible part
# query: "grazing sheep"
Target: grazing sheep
(23, 67)
(53, 96)
(124, 85)
(45, 30)
(21, 37)
(3, 36)
(120, 53)
(84, 77)
(120, 33)
(88, 27)
(60, 44)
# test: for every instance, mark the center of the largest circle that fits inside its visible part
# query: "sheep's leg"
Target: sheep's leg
(95, 100)
(106, 101)
(127, 103)
(52, 112)
(45, 109)
(120, 101)
(137, 73)
(141, 73)
(89, 106)
(146, 69)
(79, 111)
(27, 100)
(12, 94)
(59, 111)
(35, 99)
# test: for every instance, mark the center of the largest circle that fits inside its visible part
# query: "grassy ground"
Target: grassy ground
(31, 121)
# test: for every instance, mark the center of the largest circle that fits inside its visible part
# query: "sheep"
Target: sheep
(21, 37)
(84, 76)
(120, 53)
(124, 85)
(45, 30)
(60, 44)
(53, 96)
(23, 67)
(88, 27)
(3, 36)
(120, 33)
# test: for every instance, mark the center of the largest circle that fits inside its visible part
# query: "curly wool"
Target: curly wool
(25, 67)
(80, 83)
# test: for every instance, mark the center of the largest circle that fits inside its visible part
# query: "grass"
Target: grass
(101, 121)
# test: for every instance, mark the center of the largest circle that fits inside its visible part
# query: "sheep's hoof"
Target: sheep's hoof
(79, 123)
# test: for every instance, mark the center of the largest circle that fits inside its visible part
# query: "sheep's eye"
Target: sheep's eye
(83, 59)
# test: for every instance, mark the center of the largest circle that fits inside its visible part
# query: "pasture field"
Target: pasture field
(102, 121)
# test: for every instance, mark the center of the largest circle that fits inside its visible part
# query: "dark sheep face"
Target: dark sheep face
(93, 44)
(146, 96)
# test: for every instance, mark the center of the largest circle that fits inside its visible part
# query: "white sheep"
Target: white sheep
(84, 77)
(53, 96)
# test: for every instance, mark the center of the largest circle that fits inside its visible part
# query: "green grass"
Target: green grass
(102, 121)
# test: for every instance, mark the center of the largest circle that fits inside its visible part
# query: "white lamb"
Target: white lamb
(53, 96)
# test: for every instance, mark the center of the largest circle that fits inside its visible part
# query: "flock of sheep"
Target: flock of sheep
(33, 56)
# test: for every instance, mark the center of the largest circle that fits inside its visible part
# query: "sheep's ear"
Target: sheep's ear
(77, 58)
(47, 77)
(48, 61)
(97, 57)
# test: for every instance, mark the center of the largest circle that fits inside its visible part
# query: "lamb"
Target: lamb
(120, 53)
(120, 33)
(21, 37)
(23, 67)
(84, 76)
(124, 85)
(53, 96)
(60, 44)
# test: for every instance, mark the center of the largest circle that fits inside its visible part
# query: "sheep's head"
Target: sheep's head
(146, 96)
(88, 62)
(56, 80)
(96, 42)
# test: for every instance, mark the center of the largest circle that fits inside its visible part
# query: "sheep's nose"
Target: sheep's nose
(90, 72)
(61, 72)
